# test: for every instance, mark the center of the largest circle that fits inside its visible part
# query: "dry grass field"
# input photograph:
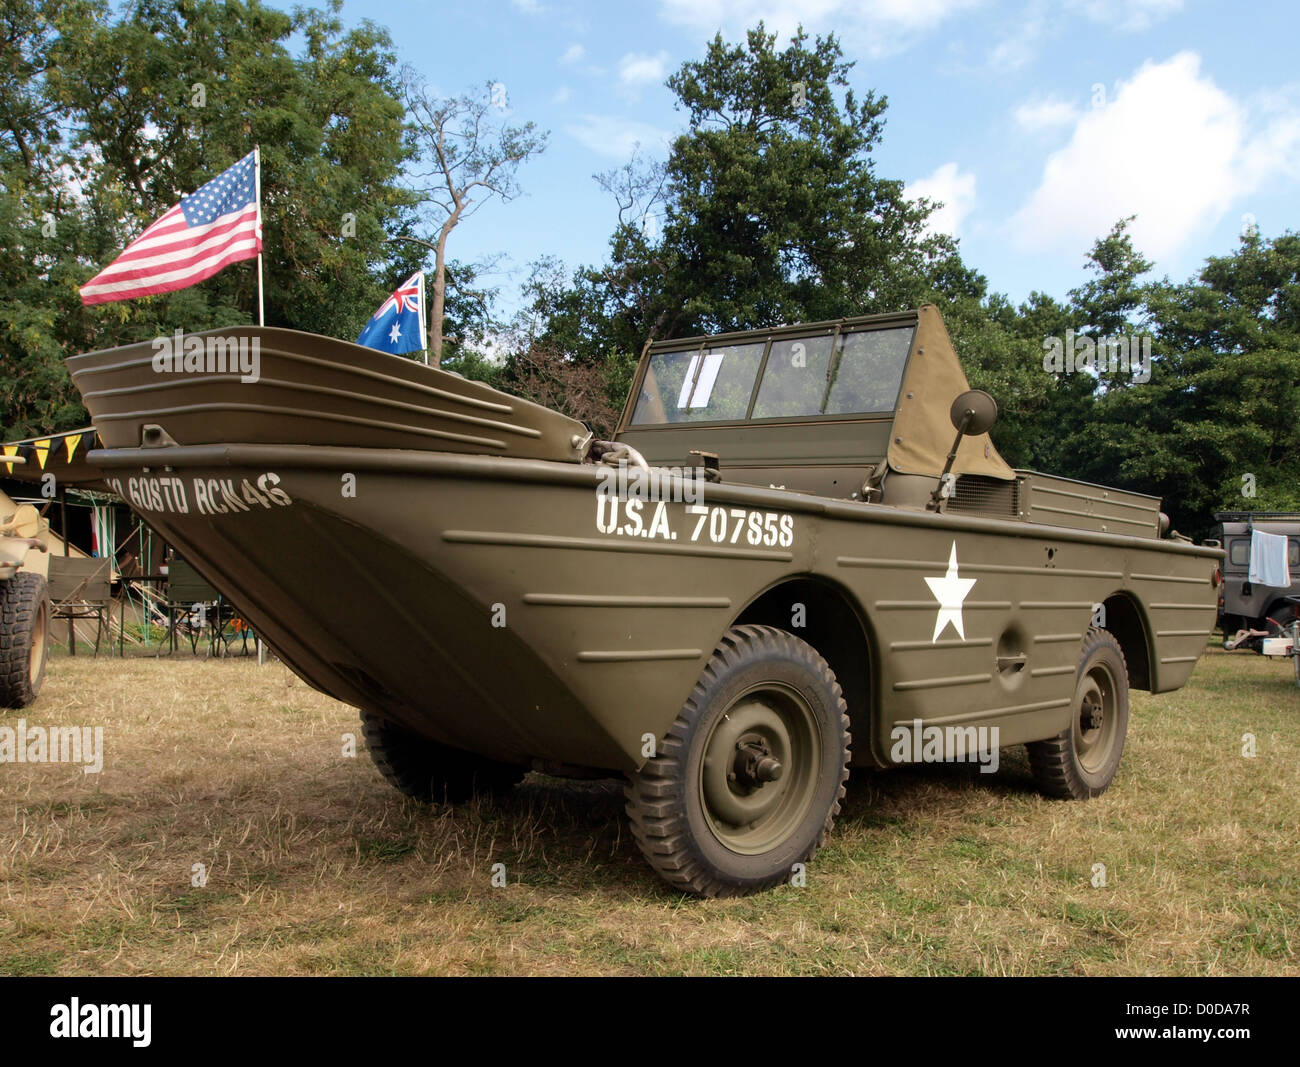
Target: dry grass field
(314, 865)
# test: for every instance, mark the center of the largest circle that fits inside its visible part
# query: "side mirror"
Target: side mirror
(974, 412)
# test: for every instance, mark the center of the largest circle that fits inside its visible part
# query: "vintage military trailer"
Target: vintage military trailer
(801, 547)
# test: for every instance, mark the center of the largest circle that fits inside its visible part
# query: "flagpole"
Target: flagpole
(424, 334)
(257, 180)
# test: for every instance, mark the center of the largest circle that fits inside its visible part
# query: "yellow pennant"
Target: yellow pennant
(70, 444)
(42, 450)
(10, 450)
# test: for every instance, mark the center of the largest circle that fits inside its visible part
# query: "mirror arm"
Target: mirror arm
(937, 495)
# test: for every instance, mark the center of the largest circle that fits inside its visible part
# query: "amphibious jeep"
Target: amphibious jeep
(800, 547)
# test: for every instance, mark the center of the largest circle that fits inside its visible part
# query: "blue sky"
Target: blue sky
(1039, 124)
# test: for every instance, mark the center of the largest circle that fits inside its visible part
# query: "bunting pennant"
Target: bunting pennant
(10, 450)
(70, 444)
(42, 450)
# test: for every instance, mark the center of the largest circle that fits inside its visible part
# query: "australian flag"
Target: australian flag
(398, 325)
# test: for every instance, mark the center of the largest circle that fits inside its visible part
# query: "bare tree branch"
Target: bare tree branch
(468, 150)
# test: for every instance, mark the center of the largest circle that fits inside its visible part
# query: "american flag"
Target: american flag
(219, 224)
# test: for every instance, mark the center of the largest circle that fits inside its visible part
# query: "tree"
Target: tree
(1218, 425)
(471, 159)
(775, 210)
(767, 210)
(113, 116)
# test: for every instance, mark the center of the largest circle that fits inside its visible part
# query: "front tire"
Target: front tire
(749, 778)
(24, 633)
(1081, 761)
(431, 772)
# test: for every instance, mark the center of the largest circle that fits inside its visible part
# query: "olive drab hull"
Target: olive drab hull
(519, 603)
(252, 384)
(510, 608)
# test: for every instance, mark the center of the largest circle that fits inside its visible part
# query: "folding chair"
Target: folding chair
(191, 602)
(79, 589)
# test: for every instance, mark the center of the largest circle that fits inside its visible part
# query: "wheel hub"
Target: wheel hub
(1092, 715)
(754, 763)
(1095, 730)
(760, 769)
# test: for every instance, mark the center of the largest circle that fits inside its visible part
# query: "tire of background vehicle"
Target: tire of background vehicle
(1279, 617)
(24, 633)
(762, 691)
(1081, 761)
(432, 772)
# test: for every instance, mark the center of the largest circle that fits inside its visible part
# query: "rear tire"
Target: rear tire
(1081, 761)
(1279, 617)
(749, 778)
(24, 633)
(431, 772)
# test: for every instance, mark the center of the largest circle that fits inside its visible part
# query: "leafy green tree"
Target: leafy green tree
(135, 108)
(1218, 425)
(767, 210)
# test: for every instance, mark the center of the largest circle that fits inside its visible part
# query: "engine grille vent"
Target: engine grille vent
(987, 496)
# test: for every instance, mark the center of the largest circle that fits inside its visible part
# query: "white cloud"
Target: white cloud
(635, 69)
(954, 188)
(1172, 148)
(572, 54)
(528, 7)
(1024, 43)
(1027, 33)
(608, 135)
(562, 95)
(874, 27)
(1045, 113)
(1130, 16)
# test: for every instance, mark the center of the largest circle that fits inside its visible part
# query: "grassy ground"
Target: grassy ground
(314, 865)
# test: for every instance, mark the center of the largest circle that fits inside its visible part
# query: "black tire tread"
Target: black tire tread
(21, 599)
(431, 772)
(659, 824)
(1051, 761)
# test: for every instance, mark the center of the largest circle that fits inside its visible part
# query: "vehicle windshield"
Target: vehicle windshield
(1239, 552)
(854, 373)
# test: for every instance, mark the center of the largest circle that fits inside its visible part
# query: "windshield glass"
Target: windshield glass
(698, 385)
(868, 372)
(855, 373)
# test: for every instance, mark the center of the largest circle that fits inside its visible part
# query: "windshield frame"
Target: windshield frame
(696, 346)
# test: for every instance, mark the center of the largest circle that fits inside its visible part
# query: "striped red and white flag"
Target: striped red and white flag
(218, 225)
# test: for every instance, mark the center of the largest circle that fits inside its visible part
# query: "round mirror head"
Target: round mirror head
(983, 411)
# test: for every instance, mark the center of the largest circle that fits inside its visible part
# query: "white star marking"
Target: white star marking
(950, 591)
(394, 333)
